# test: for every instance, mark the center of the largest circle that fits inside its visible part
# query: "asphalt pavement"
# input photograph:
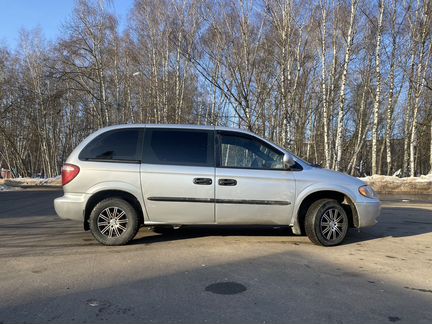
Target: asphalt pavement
(51, 271)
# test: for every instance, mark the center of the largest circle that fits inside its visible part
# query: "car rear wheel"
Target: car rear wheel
(326, 222)
(113, 221)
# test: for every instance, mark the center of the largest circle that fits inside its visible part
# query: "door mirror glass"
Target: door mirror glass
(288, 161)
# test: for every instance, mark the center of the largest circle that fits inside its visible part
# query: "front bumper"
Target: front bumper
(368, 212)
(71, 206)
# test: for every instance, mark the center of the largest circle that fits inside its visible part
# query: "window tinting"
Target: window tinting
(113, 145)
(178, 147)
(247, 152)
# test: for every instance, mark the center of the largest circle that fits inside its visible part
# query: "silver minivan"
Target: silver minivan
(127, 176)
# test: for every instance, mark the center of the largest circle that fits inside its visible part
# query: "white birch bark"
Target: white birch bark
(407, 115)
(430, 150)
(341, 113)
(326, 117)
(377, 101)
(390, 104)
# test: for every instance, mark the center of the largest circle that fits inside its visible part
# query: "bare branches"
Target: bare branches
(344, 83)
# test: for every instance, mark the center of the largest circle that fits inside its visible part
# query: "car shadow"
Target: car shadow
(393, 222)
(162, 234)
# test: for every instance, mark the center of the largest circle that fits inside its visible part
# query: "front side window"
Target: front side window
(116, 145)
(178, 147)
(242, 151)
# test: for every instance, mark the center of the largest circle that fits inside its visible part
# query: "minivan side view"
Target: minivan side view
(127, 176)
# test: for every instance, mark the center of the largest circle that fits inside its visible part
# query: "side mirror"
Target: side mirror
(288, 161)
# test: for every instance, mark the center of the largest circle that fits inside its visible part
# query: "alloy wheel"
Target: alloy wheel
(112, 222)
(332, 224)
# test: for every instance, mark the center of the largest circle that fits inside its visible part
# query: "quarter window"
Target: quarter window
(116, 145)
(178, 147)
(247, 152)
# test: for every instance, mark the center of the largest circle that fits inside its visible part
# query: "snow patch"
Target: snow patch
(393, 184)
(34, 182)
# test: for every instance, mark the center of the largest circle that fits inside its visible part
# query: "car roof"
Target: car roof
(175, 126)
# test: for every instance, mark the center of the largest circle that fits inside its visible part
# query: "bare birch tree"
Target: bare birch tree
(288, 70)
(341, 113)
(377, 101)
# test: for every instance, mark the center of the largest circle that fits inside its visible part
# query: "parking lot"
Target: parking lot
(52, 271)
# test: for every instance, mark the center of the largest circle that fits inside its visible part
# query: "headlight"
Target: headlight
(367, 192)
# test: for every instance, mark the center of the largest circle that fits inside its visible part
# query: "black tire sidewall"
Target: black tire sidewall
(132, 224)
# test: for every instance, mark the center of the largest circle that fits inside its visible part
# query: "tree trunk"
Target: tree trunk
(341, 114)
(430, 149)
(377, 101)
(326, 117)
(390, 105)
(418, 88)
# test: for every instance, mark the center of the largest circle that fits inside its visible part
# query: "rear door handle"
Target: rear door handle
(202, 181)
(227, 182)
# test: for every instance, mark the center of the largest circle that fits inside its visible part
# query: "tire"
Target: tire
(320, 224)
(113, 221)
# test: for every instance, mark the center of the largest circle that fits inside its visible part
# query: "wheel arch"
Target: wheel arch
(344, 198)
(98, 196)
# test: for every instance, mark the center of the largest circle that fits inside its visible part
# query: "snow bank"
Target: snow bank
(7, 188)
(33, 182)
(392, 184)
(380, 183)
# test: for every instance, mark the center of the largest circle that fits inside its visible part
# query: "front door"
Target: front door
(177, 175)
(251, 185)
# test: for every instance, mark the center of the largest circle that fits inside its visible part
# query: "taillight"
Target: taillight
(69, 172)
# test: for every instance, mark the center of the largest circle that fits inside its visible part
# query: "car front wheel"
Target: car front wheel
(113, 221)
(326, 222)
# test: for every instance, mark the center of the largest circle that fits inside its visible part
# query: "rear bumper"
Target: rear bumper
(71, 206)
(368, 212)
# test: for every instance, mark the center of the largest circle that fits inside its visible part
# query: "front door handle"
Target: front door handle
(227, 182)
(202, 181)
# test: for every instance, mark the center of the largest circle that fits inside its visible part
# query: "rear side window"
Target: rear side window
(178, 147)
(116, 145)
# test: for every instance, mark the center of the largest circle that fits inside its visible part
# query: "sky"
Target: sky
(48, 15)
